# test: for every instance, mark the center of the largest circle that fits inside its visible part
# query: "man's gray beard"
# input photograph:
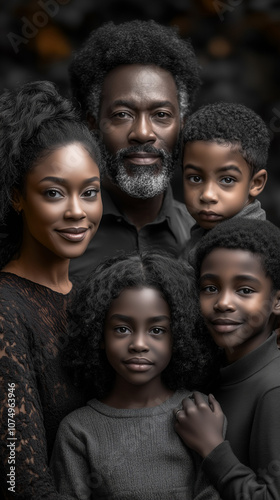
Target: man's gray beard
(146, 181)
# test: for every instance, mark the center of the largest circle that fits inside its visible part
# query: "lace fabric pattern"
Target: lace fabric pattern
(32, 336)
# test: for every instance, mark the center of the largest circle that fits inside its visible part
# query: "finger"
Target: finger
(188, 403)
(176, 412)
(214, 404)
(199, 399)
(210, 403)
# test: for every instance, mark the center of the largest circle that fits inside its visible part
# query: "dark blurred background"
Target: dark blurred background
(237, 43)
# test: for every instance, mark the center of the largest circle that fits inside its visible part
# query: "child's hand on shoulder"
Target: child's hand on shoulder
(199, 424)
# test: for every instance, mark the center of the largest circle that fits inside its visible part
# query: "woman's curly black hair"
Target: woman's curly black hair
(191, 356)
(259, 237)
(231, 124)
(134, 42)
(34, 121)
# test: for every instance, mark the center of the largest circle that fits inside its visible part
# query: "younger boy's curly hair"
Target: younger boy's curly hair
(191, 353)
(34, 121)
(133, 42)
(260, 237)
(231, 124)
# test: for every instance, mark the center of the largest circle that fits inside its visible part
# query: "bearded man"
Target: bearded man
(136, 83)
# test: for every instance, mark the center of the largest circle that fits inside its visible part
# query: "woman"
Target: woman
(50, 208)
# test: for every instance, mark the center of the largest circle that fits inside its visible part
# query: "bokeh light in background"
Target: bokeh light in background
(237, 43)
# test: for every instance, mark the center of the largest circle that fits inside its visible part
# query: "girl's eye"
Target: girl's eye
(157, 330)
(228, 180)
(53, 193)
(195, 178)
(122, 329)
(90, 193)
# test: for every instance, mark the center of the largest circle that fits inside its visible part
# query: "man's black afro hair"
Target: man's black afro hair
(231, 123)
(134, 42)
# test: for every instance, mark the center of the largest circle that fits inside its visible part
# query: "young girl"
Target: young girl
(137, 351)
(237, 267)
(50, 207)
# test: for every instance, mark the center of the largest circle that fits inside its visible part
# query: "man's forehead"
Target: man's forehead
(140, 82)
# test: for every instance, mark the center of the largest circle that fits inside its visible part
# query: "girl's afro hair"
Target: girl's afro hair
(191, 352)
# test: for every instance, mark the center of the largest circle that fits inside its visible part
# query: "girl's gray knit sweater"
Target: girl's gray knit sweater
(134, 454)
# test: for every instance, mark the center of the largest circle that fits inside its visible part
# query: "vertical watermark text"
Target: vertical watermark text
(11, 438)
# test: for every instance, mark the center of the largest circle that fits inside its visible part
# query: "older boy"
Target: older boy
(237, 268)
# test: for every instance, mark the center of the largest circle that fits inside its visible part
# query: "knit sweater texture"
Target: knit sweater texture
(251, 211)
(127, 454)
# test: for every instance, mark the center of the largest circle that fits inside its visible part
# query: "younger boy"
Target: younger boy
(237, 268)
(224, 158)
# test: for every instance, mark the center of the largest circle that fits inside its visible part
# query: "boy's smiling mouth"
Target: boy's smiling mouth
(225, 325)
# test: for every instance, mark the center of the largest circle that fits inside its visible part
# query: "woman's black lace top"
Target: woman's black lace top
(35, 391)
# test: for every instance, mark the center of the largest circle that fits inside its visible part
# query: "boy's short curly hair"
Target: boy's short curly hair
(259, 237)
(133, 42)
(231, 124)
(34, 121)
(174, 280)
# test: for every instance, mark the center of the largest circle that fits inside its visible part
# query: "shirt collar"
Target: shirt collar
(166, 211)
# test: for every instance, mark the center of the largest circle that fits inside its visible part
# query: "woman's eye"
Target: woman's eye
(53, 193)
(90, 193)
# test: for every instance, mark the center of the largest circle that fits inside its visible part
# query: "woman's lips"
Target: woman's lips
(75, 234)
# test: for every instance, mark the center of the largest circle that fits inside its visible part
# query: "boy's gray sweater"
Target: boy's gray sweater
(251, 211)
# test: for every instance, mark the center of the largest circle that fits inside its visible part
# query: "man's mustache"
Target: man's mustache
(145, 148)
